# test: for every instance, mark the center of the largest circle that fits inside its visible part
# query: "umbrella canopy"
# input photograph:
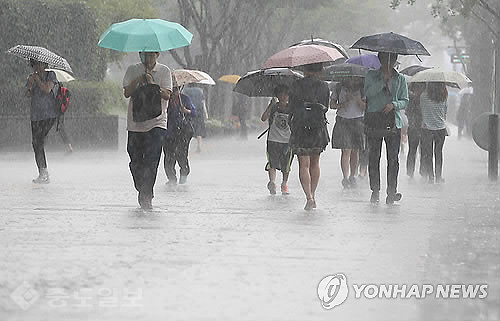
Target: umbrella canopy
(302, 55)
(187, 76)
(61, 75)
(369, 61)
(391, 42)
(346, 70)
(451, 78)
(412, 70)
(261, 83)
(40, 54)
(323, 42)
(230, 78)
(136, 35)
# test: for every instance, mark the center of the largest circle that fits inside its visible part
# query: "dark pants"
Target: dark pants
(413, 142)
(62, 131)
(363, 154)
(144, 150)
(432, 143)
(392, 144)
(176, 151)
(39, 130)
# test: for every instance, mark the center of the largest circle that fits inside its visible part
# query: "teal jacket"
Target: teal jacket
(376, 98)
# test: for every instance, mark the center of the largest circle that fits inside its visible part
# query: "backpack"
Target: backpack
(62, 98)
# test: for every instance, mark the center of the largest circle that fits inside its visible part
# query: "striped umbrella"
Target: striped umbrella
(41, 54)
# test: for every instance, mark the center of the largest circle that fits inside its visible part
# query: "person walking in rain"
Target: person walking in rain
(434, 108)
(149, 84)
(414, 115)
(41, 87)
(386, 93)
(348, 132)
(180, 130)
(198, 99)
(309, 98)
(279, 154)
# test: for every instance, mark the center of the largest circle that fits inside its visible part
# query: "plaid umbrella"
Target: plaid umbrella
(41, 54)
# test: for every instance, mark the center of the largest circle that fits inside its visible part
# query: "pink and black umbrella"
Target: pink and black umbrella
(302, 55)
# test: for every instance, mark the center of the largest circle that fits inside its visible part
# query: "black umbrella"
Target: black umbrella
(412, 70)
(392, 43)
(261, 83)
(322, 42)
(341, 71)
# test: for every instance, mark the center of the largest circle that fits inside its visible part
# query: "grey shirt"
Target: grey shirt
(43, 106)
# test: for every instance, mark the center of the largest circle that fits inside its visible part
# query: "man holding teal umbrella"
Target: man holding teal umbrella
(148, 84)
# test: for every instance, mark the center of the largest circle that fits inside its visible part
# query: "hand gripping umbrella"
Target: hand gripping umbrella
(41, 54)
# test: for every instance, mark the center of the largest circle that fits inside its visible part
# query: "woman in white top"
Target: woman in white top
(348, 132)
(434, 108)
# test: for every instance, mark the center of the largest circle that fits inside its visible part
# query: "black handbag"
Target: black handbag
(380, 124)
(146, 103)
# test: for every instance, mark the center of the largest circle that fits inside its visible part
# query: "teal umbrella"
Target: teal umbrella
(136, 35)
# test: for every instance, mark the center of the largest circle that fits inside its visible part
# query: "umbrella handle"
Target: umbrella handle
(262, 134)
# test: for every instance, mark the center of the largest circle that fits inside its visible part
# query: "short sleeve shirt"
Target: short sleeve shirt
(352, 109)
(43, 106)
(162, 77)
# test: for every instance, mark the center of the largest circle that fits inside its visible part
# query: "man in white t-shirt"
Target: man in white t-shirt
(145, 138)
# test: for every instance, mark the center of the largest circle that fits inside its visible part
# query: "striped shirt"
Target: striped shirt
(433, 113)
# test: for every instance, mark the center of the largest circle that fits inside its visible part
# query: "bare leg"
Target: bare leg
(344, 162)
(354, 160)
(285, 178)
(304, 176)
(198, 139)
(314, 172)
(272, 174)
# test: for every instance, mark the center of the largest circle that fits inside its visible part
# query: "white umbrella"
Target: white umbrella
(188, 76)
(451, 78)
(61, 75)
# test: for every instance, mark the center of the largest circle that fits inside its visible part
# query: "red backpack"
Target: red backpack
(62, 98)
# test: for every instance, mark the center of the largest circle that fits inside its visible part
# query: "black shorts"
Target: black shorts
(279, 156)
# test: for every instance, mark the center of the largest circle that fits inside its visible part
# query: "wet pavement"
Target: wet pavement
(222, 248)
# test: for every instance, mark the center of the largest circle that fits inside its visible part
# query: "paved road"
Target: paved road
(221, 248)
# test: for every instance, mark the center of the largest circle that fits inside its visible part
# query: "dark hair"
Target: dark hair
(316, 67)
(280, 89)
(34, 62)
(384, 58)
(437, 91)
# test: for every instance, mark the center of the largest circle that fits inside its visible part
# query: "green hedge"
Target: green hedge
(87, 97)
(68, 29)
(90, 97)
